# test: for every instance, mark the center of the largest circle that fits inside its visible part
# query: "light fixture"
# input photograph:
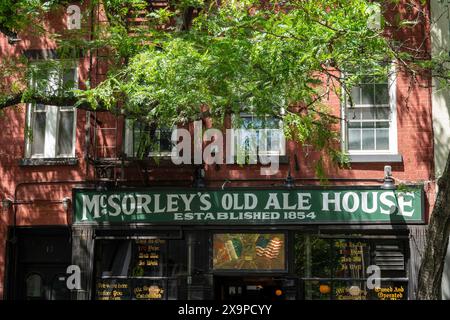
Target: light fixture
(6, 203)
(65, 202)
(13, 40)
(388, 182)
(289, 181)
(199, 175)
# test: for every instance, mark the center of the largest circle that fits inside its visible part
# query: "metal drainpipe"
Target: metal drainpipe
(190, 262)
(308, 266)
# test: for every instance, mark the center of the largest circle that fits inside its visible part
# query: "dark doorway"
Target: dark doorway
(38, 260)
(249, 288)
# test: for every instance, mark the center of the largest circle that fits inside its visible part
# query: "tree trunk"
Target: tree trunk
(430, 273)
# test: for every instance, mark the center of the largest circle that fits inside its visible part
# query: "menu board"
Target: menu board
(249, 251)
(149, 257)
(113, 289)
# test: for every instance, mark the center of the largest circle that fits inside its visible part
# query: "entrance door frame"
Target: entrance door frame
(13, 265)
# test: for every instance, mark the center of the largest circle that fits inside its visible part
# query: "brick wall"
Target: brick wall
(415, 144)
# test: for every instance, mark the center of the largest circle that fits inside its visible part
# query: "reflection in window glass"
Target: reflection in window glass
(139, 269)
(336, 267)
(65, 132)
(370, 110)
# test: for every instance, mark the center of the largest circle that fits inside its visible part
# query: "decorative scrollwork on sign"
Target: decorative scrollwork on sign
(74, 19)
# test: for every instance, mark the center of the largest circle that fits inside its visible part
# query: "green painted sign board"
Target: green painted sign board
(249, 206)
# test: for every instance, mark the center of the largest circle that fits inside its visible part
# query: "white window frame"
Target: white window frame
(51, 131)
(236, 137)
(393, 133)
(129, 142)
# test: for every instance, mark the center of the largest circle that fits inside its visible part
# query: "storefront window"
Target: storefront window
(337, 267)
(144, 269)
(249, 251)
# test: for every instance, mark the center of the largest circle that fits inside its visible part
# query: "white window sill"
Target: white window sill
(376, 158)
(69, 161)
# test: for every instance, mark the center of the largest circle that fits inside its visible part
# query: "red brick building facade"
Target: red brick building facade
(39, 220)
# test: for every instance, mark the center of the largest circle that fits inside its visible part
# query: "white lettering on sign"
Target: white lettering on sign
(90, 205)
(142, 203)
(327, 201)
(365, 202)
(389, 203)
(114, 205)
(273, 202)
(292, 205)
(304, 201)
(346, 202)
(404, 204)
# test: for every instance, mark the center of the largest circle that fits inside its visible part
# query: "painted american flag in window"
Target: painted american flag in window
(268, 248)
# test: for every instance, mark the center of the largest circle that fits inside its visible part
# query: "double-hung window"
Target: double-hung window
(142, 140)
(371, 122)
(51, 129)
(259, 135)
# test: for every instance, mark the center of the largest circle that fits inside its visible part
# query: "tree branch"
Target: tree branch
(59, 101)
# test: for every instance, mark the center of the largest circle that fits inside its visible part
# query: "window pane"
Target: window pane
(114, 258)
(352, 258)
(381, 94)
(354, 139)
(65, 133)
(147, 289)
(390, 290)
(165, 142)
(38, 133)
(270, 123)
(313, 256)
(248, 123)
(34, 286)
(367, 94)
(69, 78)
(382, 139)
(40, 107)
(368, 141)
(383, 113)
(368, 125)
(354, 114)
(368, 113)
(383, 124)
(248, 251)
(354, 125)
(150, 258)
(349, 290)
(356, 95)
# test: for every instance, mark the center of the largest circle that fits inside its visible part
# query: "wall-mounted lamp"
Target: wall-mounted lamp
(388, 182)
(289, 181)
(224, 183)
(7, 203)
(13, 39)
(65, 202)
(199, 177)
